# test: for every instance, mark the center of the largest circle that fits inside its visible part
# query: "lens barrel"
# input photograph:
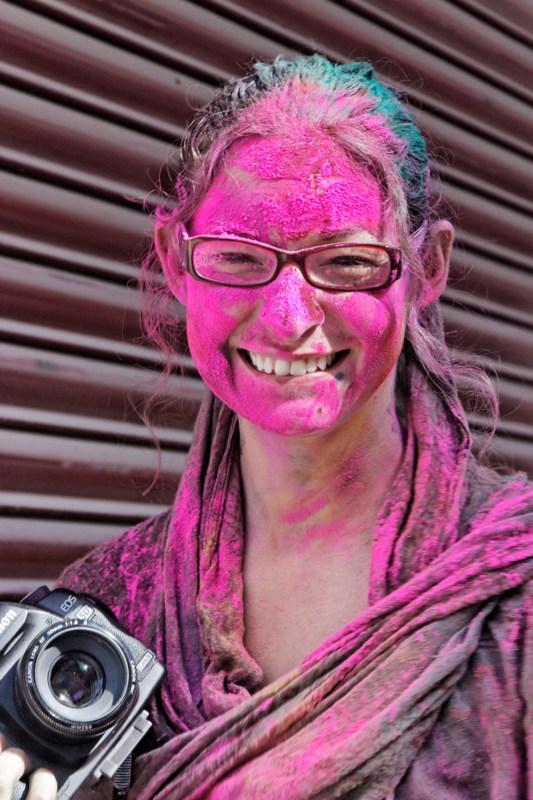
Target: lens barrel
(75, 681)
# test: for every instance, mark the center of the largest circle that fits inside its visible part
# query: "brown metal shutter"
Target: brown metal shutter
(94, 93)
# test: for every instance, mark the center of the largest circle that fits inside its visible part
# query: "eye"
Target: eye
(350, 261)
(354, 257)
(234, 258)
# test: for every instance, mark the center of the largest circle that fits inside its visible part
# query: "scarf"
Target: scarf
(451, 539)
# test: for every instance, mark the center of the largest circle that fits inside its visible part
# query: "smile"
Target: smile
(295, 367)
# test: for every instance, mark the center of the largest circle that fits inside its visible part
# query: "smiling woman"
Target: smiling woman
(289, 320)
(341, 594)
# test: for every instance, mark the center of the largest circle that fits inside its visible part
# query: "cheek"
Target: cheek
(208, 326)
(213, 315)
(374, 320)
(377, 326)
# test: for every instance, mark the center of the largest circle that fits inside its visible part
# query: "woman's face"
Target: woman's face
(293, 194)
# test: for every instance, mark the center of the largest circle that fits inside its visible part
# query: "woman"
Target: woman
(341, 594)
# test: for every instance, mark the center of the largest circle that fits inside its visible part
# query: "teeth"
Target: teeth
(282, 367)
(298, 367)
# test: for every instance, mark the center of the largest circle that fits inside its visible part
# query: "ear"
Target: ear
(167, 250)
(437, 250)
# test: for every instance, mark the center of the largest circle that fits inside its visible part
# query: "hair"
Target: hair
(371, 122)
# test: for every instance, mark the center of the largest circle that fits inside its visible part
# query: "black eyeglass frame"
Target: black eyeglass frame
(187, 244)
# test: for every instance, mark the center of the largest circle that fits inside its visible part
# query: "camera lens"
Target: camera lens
(76, 679)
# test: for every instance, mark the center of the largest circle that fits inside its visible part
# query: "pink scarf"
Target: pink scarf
(452, 538)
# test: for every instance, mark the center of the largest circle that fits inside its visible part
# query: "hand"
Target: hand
(14, 763)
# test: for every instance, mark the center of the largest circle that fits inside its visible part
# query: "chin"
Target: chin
(294, 419)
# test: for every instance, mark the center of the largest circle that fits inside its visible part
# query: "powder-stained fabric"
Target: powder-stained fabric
(426, 694)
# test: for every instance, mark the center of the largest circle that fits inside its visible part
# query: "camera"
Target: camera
(73, 686)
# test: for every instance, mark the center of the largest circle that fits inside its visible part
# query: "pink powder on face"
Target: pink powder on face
(294, 190)
(277, 191)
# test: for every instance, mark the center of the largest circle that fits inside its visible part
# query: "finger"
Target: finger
(43, 785)
(13, 765)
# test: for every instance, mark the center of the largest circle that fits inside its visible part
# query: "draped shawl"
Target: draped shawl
(423, 695)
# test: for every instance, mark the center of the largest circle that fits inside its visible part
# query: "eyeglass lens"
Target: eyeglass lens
(351, 266)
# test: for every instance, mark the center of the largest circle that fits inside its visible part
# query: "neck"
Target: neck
(317, 488)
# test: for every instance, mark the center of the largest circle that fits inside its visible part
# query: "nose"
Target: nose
(292, 306)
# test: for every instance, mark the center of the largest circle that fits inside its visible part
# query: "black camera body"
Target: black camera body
(73, 686)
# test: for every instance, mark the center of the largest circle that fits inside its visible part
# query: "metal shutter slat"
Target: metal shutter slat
(489, 307)
(30, 532)
(73, 508)
(480, 215)
(36, 294)
(69, 341)
(56, 381)
(516, 400)
(513, 18)
(512, 452)
(73, 148)
(472, 154)
(486, 277)
(69, 219)
(93, 427)
(484, 244)
(511, 342)
(178, 33)
(84, 466)
(458, 37)
(101, 79)
(48, 253)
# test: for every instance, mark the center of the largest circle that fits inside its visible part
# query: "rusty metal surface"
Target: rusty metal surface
(95, 96)
(513, 17)
(42, 378)
(76, 149)
(457, 36)
(64, 64)
(75, 466)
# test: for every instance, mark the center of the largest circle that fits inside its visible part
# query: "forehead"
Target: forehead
(290, 189)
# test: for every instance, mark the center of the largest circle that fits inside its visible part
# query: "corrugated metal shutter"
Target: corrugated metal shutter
(94, 93)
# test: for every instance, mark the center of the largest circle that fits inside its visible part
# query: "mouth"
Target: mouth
(293, 368)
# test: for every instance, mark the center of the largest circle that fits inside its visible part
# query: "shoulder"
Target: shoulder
(123, 571)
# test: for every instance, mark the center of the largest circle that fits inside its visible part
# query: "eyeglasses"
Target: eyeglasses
(241, 262)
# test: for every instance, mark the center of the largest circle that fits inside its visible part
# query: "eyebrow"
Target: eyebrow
(323, 236)
(229, 232)
(330, 235)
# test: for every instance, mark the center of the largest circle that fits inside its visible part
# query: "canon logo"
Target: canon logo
(7, 619)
